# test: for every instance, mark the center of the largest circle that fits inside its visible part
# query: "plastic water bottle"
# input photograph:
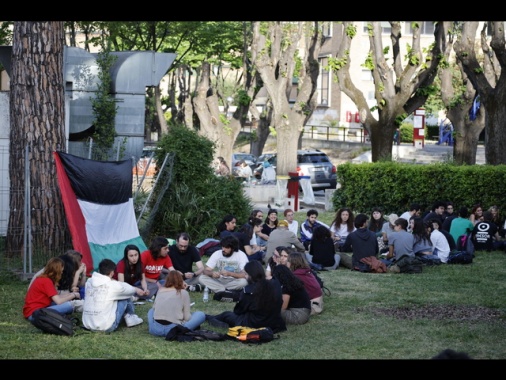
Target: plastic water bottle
(205, 298)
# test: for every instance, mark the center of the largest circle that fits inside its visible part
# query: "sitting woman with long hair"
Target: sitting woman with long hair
(172, 307)
(322, 249)
(43, 293)
(131, 270)
(300, 267)
(259, 304)
(296, 307)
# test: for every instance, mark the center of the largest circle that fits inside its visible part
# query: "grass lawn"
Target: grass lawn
(367, 316)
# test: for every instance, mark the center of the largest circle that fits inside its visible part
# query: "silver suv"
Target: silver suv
(313, 163)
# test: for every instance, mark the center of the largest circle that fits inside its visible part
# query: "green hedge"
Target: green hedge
(394, 186)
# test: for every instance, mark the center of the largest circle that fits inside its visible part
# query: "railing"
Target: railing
(329, 133)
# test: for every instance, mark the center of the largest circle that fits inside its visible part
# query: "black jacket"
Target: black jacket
(363, 243)
(248, 315)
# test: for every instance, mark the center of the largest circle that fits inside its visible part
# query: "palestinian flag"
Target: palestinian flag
(97, 197)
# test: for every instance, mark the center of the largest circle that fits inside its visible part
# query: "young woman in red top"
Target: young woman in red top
(43, 293)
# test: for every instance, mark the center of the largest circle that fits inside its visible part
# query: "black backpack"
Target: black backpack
(52, 322)
(180, 333)
(460, 257)
(325, 290)
(410, 264)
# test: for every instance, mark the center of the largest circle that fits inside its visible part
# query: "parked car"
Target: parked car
(313, 163)
(250, 159)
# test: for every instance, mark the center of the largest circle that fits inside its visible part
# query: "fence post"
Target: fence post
(27, 235)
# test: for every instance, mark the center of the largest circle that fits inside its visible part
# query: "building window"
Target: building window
(366, 75)
(386, 28)
(327, 29)
(426, 27)
(324, 83)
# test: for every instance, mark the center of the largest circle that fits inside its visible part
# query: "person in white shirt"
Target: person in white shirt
(229, 263)
(108, 301)
(440, 246)
(293, 225)
(414, 210)
(245, 171)
(342, 225)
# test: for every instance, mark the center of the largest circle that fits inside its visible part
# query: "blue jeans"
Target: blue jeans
(63, 308)
(259, 255)
(123, 307)
(157, 329)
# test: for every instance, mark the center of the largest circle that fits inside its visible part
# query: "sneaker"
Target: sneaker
(195, 288)
(227, 296)
(132, 320)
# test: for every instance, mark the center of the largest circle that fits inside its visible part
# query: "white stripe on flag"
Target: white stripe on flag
(109, 224)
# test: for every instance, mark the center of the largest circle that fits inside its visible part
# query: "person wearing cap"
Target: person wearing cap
(282, 236)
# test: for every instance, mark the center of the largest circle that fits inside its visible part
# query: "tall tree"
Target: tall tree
(458, 95)
(486, 77)
(37, 125)
(400, 87)
(279, 48)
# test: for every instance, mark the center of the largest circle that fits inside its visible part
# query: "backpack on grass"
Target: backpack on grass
(410, 264)
(460, 257)
(325, 290)
(465, 243)
(251, 335)
(180, 333)
(52, 322)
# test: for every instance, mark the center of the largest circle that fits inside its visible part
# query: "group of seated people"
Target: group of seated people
(265, 268)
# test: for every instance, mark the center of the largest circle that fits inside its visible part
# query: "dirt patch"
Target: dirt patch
(440, 312)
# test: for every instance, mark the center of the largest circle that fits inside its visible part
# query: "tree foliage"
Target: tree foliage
(104, 107)
(197, 199)
(402, 83)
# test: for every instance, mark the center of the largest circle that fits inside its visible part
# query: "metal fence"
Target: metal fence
(34, 252)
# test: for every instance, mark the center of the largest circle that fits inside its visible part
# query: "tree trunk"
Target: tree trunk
(222, 132)
(37, 122)
(262, 132)
(159, 111)
(272, 53)
(487, 77)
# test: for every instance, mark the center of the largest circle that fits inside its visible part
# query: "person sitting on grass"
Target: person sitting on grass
(172, 308)
(224, 270)
(282, 236)
(296, 308)
(43, 293)
(259, 304)
(362, 242)
(300, 267)
(322, 249)
(108, 301)
(400, 243)
(130, 269)
(157, 263)
(183, 255)
(307, 228)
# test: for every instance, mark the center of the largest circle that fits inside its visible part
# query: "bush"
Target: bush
(394, 186)
(196, 198)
